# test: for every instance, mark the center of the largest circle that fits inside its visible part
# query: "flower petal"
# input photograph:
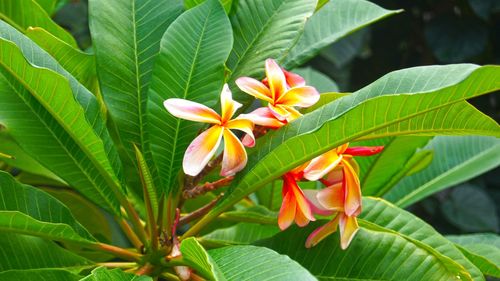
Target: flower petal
(322, 232)
(302, 203)
(201, 150)
(263, 116)
(245, 126)
(334, 176)
(293, 113)
(228, 105)
(276, 79)
(332, 197)
(316, 207)
(303, 96)
(279, 112)
(364, 150)
(321, 165)
(192, 111)
(353, 190)
(293, 79)
(235, 156)
(254, 88)
(348, 228)
(287, 210)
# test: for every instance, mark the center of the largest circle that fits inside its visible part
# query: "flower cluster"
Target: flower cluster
(336, 169)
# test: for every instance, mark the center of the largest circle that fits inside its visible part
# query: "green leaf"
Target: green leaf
(481, 249)
(190, 66)
(264, 29)
(432, 103)
(456, 159)
(195, 255)
(79, 64)
(68, 140)
(27, 210)
(391, 244)
(320, 81)
(227, 4)
(28, 252)
(23, 14)
(239, 234)
(332, 22)
(471, 209)
(324, 99)
(388, 164)
(104, 274)
(257, 263)
(257, 214)
(126, 39)
(39, 274)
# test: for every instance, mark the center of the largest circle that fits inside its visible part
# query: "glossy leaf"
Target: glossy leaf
(28, 252)
(190, 66)
(239, 234)
(68, 140)
(79, 64)
(104, 274)
(257, 263)
(390, 163)
(195, 255)
(431, 104)
(27, 210)
(25, 13)
(320, 81)
(126, 39)
(39, 275)
(256, 214)
(456, 159)
(264, 29)
(332, 22)
(392, 244)
(227, 4)
(481, 249)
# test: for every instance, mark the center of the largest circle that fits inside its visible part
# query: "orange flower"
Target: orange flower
(343, 191)
(203, 147)
(283, 91)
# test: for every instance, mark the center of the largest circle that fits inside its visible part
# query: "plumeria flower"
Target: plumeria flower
(283, 91)
(338, 171)
(203, 147)
(296, 206)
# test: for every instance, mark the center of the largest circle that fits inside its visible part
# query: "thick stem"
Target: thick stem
(132, 237)
(136, 221)
(145, 269)
(200, 212)
(116, 251)
(117, 264)
(206, 187)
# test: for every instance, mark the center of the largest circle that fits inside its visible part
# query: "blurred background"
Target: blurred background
(427, 32)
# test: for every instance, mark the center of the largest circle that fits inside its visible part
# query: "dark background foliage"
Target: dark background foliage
(427, 32)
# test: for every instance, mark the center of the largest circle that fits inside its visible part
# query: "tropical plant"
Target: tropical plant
(103, 179)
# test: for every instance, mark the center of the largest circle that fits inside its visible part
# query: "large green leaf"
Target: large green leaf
(456, 159)
(481, 249)
(79, 64)
(422, 100)
(392, 244)
(198, 259)
(126, 39)
(56, 131)
(264, 29)
(27, 210)
(28, 252)
(104, 274)
(239, 234)
(390, 163)
(332, 22)
(23, 14)
(257, 263)
(193, 3)
(39, 275)
(190, 66)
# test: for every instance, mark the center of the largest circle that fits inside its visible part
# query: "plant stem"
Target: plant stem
(170, 276)
(117, 264)
(200, 212)
(145, 269)
(132, 237)
(116, 251)
(135, 219)
(206, 187)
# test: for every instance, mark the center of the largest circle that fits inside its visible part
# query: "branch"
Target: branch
(200, 212)
(206, 187)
